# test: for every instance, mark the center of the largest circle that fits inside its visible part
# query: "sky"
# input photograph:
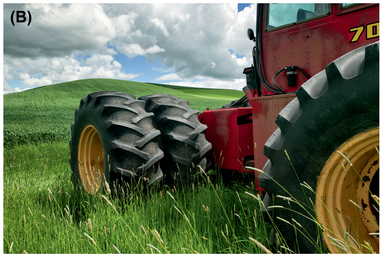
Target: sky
(199, 45)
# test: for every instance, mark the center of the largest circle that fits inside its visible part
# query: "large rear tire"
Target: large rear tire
(113, 143)
(332, 110)
(182, 136)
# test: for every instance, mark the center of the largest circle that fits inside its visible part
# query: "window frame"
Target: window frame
(347, 6)
(351, 8)
(268, 28)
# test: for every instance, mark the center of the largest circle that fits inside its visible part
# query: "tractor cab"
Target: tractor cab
(296, 41)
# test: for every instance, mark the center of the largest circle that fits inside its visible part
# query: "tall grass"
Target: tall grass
(44, 214)
(345, 243)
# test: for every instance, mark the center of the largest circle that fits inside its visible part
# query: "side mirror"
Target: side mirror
(251, 35)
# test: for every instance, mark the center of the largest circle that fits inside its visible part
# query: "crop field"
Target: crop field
(42, 212)
(46, 113)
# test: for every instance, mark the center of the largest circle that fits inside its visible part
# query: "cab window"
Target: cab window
(347, 5)
(281, 15)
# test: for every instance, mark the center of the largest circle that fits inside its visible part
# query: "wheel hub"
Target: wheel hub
(91, 159)
(344, 204)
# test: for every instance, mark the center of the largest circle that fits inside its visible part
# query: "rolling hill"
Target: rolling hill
(46, 113)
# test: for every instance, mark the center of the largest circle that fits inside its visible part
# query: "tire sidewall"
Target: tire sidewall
(307, 163)
(347, 107)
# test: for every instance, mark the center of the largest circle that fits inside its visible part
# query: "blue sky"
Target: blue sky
(200, 45)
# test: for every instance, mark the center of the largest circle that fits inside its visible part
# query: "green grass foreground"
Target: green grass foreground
(44, 214)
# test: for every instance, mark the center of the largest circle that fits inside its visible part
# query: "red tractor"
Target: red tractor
(309, 120)
(295, 126)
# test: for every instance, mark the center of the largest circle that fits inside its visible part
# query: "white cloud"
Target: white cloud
(162, 69)
(124, 23)
(63, 69)
(133, 50)
(193, 39)
(6, 87)
(57, 30)
(77, 41)
(154, 49)
(168, 77)
(99, 59)
(32, 82)
(237, 84)
(160, 24)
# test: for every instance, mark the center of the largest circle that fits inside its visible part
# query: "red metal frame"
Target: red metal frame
(313, 44)
(230, 132)
(238, 135)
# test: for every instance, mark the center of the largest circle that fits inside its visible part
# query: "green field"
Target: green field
(44, 214)
(46, 113)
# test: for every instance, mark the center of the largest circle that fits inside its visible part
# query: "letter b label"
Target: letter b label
(21, 16)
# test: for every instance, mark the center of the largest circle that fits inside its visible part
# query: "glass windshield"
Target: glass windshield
(285, 14)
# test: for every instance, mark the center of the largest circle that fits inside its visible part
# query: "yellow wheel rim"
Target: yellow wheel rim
(91, 159)
(344, 206)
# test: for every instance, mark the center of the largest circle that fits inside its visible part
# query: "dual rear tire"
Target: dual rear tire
(119, 141)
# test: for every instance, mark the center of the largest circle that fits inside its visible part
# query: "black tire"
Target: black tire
(242, 102)
(331, 108)
(182, 136)
(115, 126)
